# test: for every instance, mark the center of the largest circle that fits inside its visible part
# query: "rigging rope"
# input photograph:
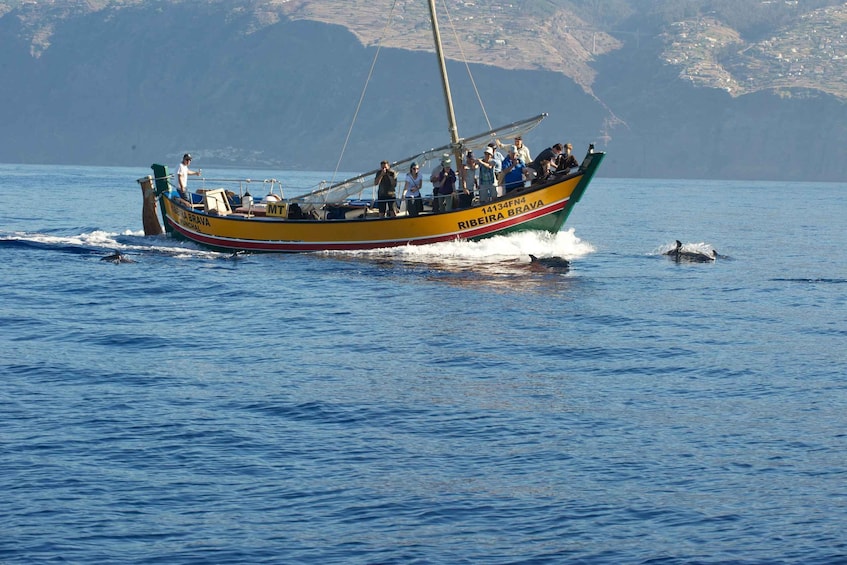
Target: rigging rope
(467, 66)
(363, 182)
(364, 90)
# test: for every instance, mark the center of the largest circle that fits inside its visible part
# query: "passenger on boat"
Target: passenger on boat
(386, 179)
(498, 157)
(469, 180)
(498, 160)
(447, 186)
(514, 171)
(544, 162)
(436, 178)
(182, 176)
(412, 190)
(523, 150)
(566, 161)
(488, 172)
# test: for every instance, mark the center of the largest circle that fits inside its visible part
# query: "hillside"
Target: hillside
(809, 54)
(805, 48)
(700, 89)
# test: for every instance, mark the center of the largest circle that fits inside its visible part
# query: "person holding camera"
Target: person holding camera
(488, 173)
(412, 190)
(514, 170)
(566, 160)
(446, 182)
(545, 162)
(386, 179)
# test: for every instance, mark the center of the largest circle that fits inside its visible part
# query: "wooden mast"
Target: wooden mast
(445, 82)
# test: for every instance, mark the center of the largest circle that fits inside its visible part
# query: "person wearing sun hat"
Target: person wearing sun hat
(446, 181)
(488, 171)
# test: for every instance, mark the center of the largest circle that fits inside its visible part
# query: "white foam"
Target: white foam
(495, 249)
(700, 247)
(514, 247)
(107, 241)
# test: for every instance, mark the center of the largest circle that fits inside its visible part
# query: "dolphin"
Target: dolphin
(679, 254)
(699, 257)
(549, 262)
(117, 257)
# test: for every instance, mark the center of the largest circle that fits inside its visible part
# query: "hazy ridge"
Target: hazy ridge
(710, 89)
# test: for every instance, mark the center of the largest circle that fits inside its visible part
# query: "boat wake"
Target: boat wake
(100, 243)
(499, 256)
(498, 262)
(516, 247)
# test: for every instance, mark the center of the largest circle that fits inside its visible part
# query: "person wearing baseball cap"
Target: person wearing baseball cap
(182, 176)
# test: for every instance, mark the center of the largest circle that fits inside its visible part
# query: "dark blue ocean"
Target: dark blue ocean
(447, 404)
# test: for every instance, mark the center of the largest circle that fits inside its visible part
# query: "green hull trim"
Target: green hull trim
(162, 184)
(553, 223)
(590, 165)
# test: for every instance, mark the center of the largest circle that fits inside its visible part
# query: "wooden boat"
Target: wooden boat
(341, 216)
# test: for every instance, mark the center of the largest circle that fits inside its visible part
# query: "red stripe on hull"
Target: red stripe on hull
(294, 247)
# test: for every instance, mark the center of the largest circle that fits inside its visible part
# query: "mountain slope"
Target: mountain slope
(276, 83)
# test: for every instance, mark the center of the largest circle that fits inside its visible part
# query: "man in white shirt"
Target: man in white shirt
(182, 176)
(523, 150)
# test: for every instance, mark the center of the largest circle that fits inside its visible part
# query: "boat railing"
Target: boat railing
(272, 186)
(334, 201)
(358, 190)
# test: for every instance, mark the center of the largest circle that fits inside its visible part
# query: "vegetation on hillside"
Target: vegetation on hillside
(737, 46)
(809, 52)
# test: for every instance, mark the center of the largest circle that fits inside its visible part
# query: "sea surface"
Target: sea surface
(443, 404)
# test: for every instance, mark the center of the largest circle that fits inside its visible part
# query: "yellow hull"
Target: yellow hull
(544, 207)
